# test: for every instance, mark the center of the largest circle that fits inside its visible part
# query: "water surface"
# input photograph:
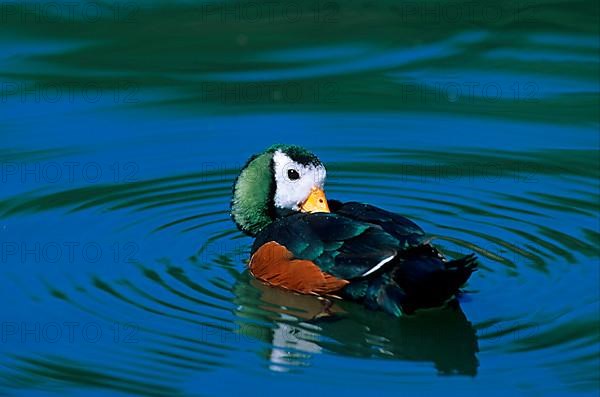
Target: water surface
(123, 126)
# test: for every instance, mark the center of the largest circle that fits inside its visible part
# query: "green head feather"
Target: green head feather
(252, 206)
(252, 193)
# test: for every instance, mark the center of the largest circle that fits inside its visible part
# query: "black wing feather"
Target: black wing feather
(408, 233)
(339, 245)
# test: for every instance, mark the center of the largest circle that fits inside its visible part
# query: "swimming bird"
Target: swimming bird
(308, 245)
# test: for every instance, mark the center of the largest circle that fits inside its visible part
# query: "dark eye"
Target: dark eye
(293, 174)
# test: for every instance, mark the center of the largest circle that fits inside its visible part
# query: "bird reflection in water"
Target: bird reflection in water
(303, 326)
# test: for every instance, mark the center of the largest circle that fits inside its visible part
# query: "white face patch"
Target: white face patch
(295, 181)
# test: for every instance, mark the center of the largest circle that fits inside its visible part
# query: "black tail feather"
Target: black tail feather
(428, 280)
(420, 278)
(460, 270)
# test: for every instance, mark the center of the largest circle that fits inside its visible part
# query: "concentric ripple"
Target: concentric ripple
(199, 310)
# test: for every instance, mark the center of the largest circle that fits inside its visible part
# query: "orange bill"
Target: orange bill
(316, 201)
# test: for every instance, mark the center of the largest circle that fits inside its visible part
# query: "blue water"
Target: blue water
(122, 131)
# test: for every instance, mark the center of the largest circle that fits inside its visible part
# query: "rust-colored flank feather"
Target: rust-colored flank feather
(275, 265)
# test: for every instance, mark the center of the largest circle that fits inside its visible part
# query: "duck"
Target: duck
(306, 244)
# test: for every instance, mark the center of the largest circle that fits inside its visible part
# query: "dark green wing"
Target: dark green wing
(408, 233)
(341, 246)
